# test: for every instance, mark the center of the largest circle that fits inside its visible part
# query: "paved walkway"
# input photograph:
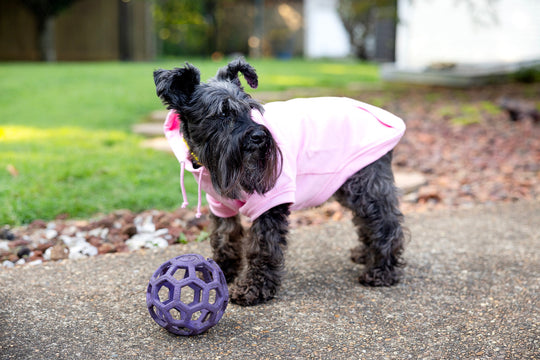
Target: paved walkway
(471, 291)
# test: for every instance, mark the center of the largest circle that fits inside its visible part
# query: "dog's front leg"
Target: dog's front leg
(265, 245)
(226, 238)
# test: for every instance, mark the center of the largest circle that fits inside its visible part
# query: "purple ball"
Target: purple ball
(187, 295)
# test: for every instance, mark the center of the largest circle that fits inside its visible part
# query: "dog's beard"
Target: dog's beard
(236, 167)
(261, 169)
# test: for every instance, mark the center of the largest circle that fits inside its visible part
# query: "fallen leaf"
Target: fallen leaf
(12, 170)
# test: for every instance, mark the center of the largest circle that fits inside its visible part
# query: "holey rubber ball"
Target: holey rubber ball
(187, 295)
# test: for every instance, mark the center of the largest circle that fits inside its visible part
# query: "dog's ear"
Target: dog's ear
(230, 72)
(175, 87)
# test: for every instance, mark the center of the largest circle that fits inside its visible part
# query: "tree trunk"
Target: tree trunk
(46, 43)
(258, 32)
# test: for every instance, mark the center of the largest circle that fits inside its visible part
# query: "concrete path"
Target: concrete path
(471, 291)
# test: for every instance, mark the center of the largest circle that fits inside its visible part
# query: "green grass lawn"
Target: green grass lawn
(65, 128)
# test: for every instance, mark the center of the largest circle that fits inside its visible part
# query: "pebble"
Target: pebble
(156, 243)
(82, 249)
(106, 248)
(42, 246)
(144, 224)
(70, 231)
(50, 234)
(78, 246)
(161, 232)
(24, 251)
(4, 245)
(99, 232)
(5, 233)
(70, 240)
(8, 264)
(147, 240)
(19, 242)
(47, 254)
(57, 252)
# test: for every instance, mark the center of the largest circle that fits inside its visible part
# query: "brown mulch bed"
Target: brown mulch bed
(467, 146)
(460, 139)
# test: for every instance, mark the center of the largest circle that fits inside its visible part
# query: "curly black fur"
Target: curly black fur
(242, 157)
(372, 197)
(226, 239)
(230, 72)
(265, 244)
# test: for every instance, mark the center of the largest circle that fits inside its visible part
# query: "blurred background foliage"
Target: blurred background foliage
(185, 27)
(51, 30)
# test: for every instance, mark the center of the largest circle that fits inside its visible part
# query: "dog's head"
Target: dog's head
(240, 154)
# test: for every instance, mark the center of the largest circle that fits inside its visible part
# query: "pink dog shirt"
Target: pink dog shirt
(323, 141)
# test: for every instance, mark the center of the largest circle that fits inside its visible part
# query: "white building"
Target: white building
(469, 37)
(435, 31)
(324, 35)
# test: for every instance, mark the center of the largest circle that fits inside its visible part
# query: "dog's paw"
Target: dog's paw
(380, 277)
(245, 293)
(358, 255)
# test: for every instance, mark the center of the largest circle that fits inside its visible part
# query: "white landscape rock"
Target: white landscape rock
(144, 224)
(137, 241)
(50, 234)
(99, 232)
(4, 245)
(47, 254)
(82, 250)
(148, 240)
(157, 242)
(78, 247)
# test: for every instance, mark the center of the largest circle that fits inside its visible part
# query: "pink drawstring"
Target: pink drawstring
(182, 186)
(198, 214)
(171, 129)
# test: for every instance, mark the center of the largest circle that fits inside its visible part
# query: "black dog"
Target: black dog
(263, 161)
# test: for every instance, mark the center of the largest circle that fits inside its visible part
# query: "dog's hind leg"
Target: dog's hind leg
(265, 244)
(226, 238)
(372, 197)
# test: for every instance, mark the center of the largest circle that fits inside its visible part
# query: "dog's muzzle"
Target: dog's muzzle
(257, 139)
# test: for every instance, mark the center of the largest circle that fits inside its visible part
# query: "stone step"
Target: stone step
(409, 182)
(157, 116)
(152, 125)
(148, 129)
(157, 143)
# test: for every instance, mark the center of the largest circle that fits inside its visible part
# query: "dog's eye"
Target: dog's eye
(225, 117)
(225, 112)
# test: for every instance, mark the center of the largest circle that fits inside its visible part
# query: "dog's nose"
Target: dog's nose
(257, 137)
